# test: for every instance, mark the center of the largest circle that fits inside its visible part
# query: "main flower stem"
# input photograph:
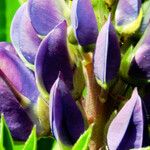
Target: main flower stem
(94, 107)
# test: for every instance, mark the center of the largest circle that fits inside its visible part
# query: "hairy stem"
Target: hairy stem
(94, 107)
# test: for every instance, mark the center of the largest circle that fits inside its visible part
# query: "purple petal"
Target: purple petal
(127, 129)
(65, 117)
(107, 54)
(84, 22)
(44, 15)
(17, 120)
(8, 47)
(18, 75)
(127, 11)
(140, 65)
(53, 57)
(24, 37)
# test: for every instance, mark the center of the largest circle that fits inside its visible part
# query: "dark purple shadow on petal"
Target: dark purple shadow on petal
(23, 35)
(84, 22)
(17, 120)
(8, 47)
(53, 57)
(18, 75)
(146, 100)
(65, 117)
(107, 54)
(127, 11)
(127, 129)
(44, 15)
(140, 66)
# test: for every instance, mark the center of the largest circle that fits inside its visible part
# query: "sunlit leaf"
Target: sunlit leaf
(83, 141)
(31, 143)
(5, 135)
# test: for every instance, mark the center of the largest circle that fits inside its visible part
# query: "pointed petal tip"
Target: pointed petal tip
(107, 54)
(84, 22)
(53, 57)
(66, 119)
(130, 124)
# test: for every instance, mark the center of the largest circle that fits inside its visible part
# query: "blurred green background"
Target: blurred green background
(7, 11)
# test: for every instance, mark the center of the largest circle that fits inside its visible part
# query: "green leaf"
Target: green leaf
(6, 142)
(83, 141)
(46, 142)
(31, 143)
(7, 11)
(56, 146)
(18, 145)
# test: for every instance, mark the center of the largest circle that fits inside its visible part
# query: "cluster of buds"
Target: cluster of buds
(76, 63)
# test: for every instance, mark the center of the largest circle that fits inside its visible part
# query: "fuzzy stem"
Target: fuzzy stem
(94, 107)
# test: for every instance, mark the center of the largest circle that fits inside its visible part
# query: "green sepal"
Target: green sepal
(6, 141)
(42, 112)
(71, 36)
(126, 61)
(106, 86)
(78, 81)
(83, 141)
(31, 143)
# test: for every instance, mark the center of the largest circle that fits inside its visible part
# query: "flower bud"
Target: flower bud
(106, 55)
(128, 16)
(84, 22)
(66, 120)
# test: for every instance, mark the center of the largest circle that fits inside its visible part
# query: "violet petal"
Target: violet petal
(53, 57)
(127, 129)
(18, 75)
(17, 120)
(8, 47)
(107, 54)
(44, 15)
(24, 37)
(65, 117)
(140, 64)
(127, 11)
(84, 22)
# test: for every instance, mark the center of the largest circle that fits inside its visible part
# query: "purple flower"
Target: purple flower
(24, 37)
(51, 58)
(45, 15)
(128, 129)
(84, 22)
(128, 16)
(138, 66)
(106, 55)
(17, 119)
(18, 93)
(66, 120)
